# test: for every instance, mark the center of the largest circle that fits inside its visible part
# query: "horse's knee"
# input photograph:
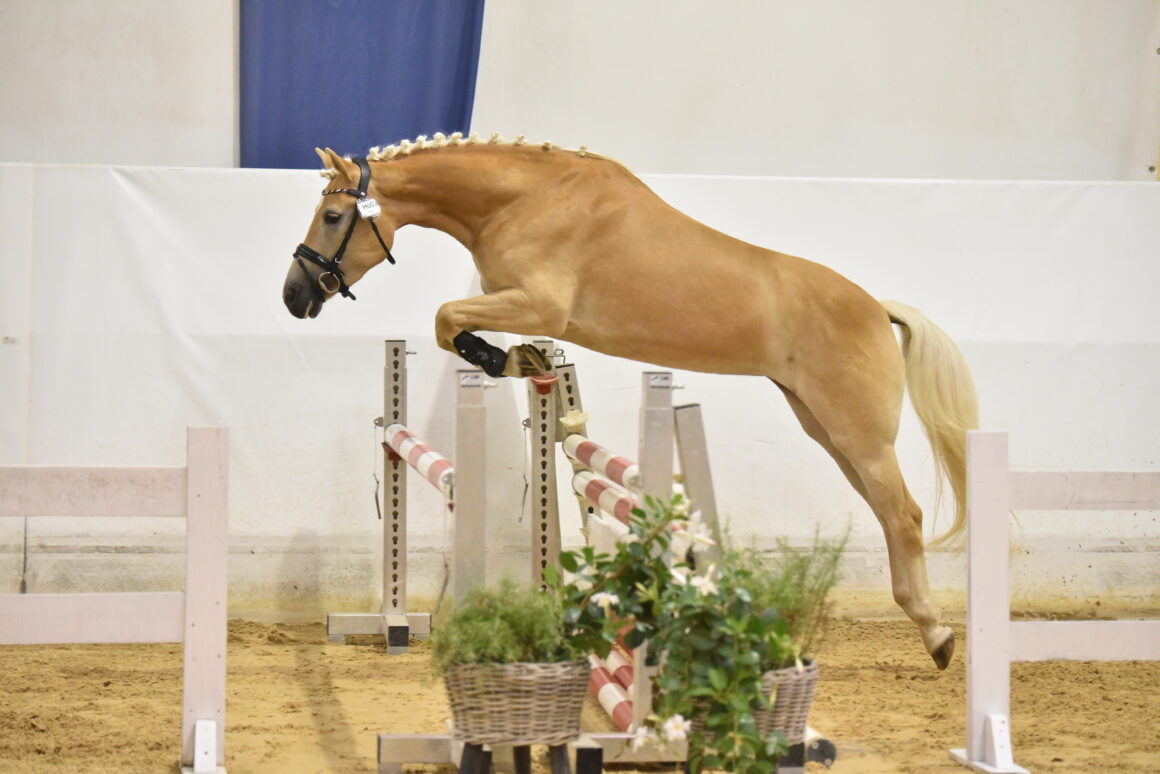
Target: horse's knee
(446, 324)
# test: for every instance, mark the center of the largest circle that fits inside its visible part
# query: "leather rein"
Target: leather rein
(332, 280)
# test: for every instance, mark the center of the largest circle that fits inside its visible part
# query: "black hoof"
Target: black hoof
(525, 360)
(944, 653)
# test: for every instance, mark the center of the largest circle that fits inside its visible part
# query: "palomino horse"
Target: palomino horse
(572, 246)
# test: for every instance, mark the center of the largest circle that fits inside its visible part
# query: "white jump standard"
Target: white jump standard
(404, 449)
(196, 616)
(993, 639)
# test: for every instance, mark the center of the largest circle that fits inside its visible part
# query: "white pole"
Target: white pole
(656, 480)
(469, 540)
(206, 588)
(988, 605)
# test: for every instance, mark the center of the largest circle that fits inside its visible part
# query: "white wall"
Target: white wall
(176, 319)
(124, 82)
(1057, 89)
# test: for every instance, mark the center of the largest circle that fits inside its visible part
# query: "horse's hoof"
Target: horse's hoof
(943, 654)
(525, 360)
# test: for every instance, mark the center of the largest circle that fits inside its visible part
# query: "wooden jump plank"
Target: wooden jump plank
(91, 491)
(1084, 490)
(99, 618)
(1085, 640)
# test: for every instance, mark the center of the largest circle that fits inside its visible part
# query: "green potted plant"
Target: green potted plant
(717, 631)
(796, 582)
(513, 674)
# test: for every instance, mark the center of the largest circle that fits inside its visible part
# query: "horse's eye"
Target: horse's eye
(332, 217)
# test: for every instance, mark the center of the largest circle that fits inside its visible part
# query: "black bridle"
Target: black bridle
(331, 280)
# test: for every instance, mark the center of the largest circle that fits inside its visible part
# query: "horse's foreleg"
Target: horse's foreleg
(506, 311)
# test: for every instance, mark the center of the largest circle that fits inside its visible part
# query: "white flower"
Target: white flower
(681, 543)
(606, 600)
(680, 506)
(699, 532)
(677, 728)
(691, 534)
(705, 584)
(681, 576)
(643, 737)
(702, 544)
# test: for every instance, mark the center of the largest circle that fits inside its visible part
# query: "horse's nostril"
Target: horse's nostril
(289, 293)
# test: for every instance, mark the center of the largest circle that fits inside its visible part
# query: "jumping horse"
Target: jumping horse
(571, 245)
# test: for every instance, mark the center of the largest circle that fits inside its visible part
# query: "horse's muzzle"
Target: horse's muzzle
(300, 295)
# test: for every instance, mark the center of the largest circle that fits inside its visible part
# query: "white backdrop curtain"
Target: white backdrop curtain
(136, 301)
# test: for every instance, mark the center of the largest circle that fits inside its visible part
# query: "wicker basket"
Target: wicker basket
(794, 690)
(794, 694)
(517, 704)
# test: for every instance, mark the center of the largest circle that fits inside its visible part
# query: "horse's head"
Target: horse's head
(337, 250)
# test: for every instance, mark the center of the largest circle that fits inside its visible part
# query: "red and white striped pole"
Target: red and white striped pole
(431, 465)
(602, 493)
(619, 663)
(611, 694)
(617, 469)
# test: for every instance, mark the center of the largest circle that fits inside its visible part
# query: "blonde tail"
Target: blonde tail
(943, 395)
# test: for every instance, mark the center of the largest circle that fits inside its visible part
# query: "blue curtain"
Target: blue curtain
(351, 74)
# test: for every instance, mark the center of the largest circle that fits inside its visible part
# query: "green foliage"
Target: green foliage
(796, 582)
(719, 628)
(717, 646)
(504, 625)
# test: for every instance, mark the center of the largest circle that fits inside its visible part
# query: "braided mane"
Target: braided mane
(440, 140)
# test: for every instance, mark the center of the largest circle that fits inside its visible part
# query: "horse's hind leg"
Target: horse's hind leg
(901, 520)
(869, 463)
(815, 430)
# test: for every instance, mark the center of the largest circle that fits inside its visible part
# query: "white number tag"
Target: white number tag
(368, 208)
(662, 381)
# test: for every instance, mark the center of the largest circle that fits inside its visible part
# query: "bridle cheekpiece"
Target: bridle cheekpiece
(331, 280)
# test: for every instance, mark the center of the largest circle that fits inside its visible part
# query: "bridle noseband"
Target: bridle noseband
(331, 280)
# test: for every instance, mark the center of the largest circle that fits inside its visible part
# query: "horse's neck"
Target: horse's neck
(457, 190)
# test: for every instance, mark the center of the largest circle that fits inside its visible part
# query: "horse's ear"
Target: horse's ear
(338, 163)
